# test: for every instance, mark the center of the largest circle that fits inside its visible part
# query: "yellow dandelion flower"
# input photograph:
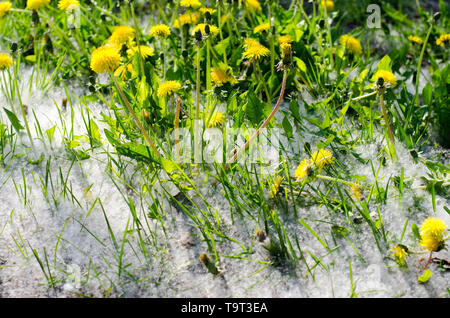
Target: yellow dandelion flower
(201, 26)
(304, 169)
(285, 39)
(5, 61)
(254, 4)
(37, 4)
(286, 49)
(351, 44)
(432, 231)
(216, 119)
(190, 3)
(168, 88)
(415, 39)
(433, 226)
(399, 253)
(204, 10)
(387, 76)
(321, 158)
(256, 51)
(68, 5)
(250, 42)
(121, 35)
(4, 8)
(221, 75)
(105, 59)
(262, 27)
(275, 186)
(186, 18)
(122, 70)
(144, 49)
(327, 4)
(443, 39)
(160, 31)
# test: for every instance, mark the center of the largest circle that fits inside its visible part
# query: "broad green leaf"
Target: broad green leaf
(13, 119)
(425, 277)
(427, 94)
(385, 64)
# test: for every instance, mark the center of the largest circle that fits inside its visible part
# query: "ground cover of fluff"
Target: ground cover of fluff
(82, 258)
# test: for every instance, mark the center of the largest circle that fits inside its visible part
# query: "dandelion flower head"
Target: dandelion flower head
(160, 31)
(351, 44)
(168, 88)
(4, 8)
(105, 59)
(5, 61)
(37, 4)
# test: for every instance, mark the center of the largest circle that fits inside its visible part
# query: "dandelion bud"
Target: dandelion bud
(13, 47)
(208, 16)
(64, 102)
(208, 264)
(380, 82)
(321, 23)
(198, 36)
(207, 29)
(35, 17)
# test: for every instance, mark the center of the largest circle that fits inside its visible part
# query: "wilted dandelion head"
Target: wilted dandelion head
(4, 8)
(37, 4)
(5, 61)
(275, 186)
(186, 18)
(216, 119)
(327, 4)
(204, 10)
(285, 39)
(351, 44)
(355, 191)
(415, 39)
(168, 88)
(160, 31)
(262, 27)
(256, 51)
(190, 4)
(433, 231)
(443, 39)
(254, 4)
(145, 50)
(68, 5)
(221, 75)
(388, 77)
(322, 157)
(122, 70)
(121, 35)
(213, 30)
(304, 169)
(105, 59)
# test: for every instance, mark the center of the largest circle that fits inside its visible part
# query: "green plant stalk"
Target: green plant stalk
(264, 124)
(208, 73)
(389, 129)
(165, 58)
(136, 119)
(21, 108)
(197, 109)
(337, 180)
(419, 65)
(137, 38)
(258, 70)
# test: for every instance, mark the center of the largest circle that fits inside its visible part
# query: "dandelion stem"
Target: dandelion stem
(258, 69)
(21, 107)
(176, 125)
(264, 124)
(388, 127)
(337, 180)
(136, 119)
